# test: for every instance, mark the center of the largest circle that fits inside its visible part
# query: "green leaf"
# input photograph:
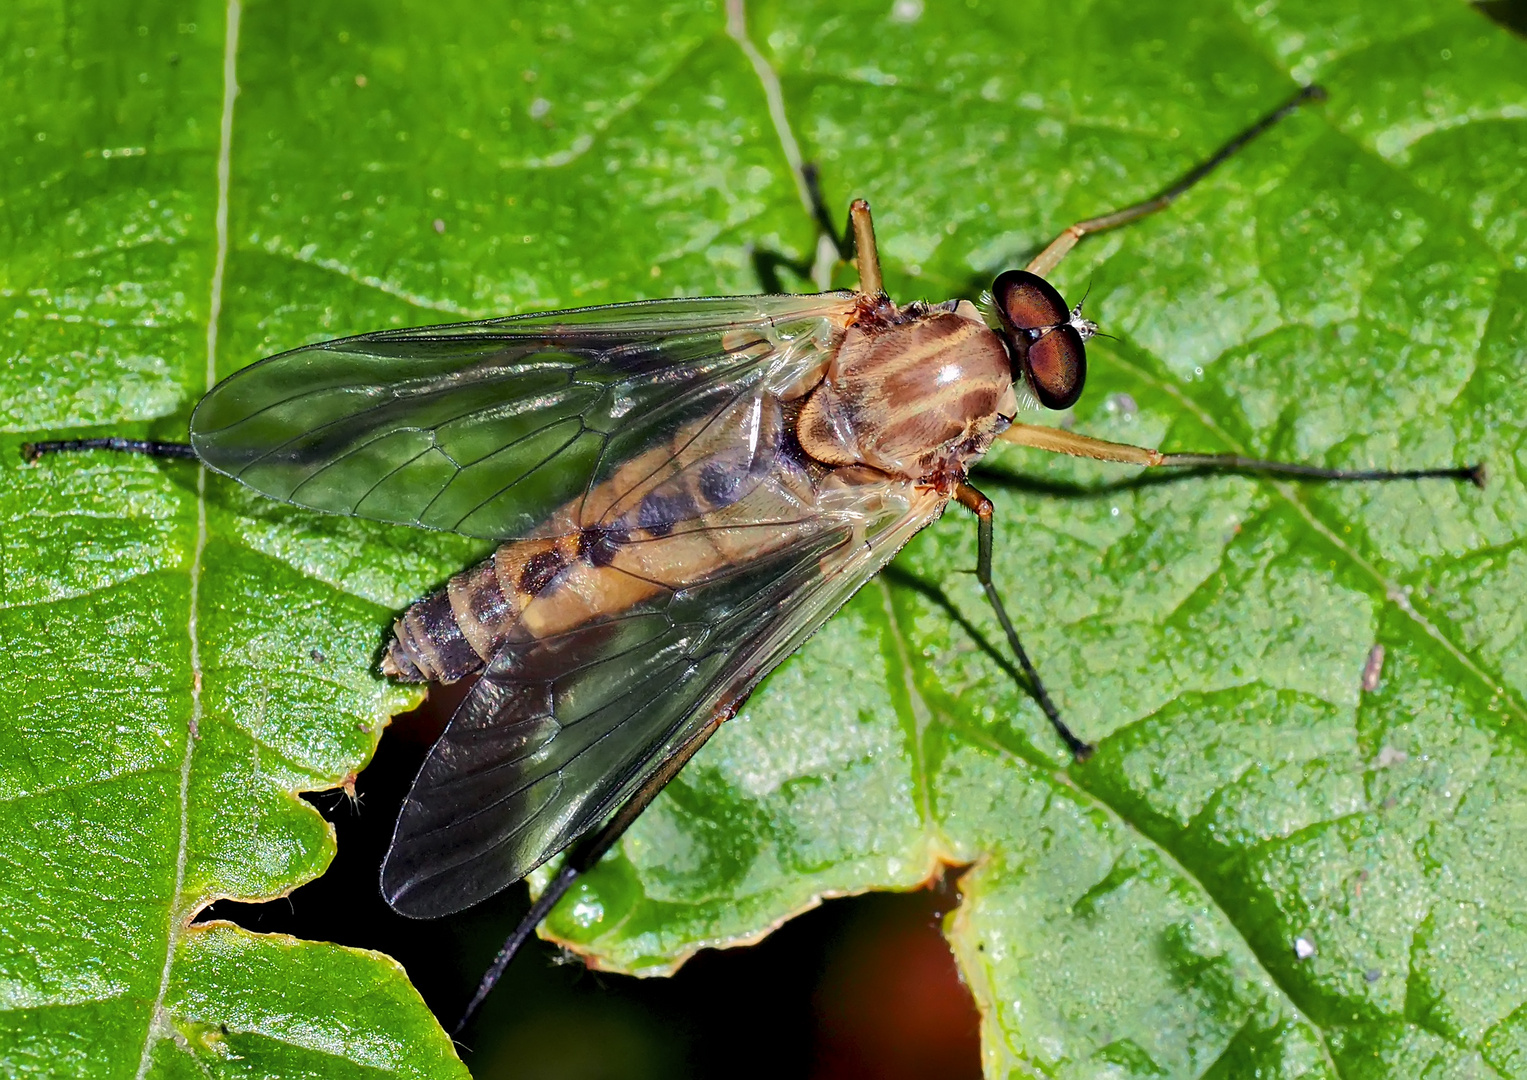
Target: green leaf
(1349, 291)
(179, 662)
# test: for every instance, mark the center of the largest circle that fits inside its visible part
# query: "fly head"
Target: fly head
(1046, 339)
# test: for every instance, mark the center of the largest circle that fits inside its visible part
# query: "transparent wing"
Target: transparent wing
(484, 428)
(560, 730)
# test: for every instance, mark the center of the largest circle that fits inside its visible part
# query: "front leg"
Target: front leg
(1058, 248)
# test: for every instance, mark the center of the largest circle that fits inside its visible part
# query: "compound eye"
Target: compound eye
(1046, 347)
(1027, 301)
(1057, 366)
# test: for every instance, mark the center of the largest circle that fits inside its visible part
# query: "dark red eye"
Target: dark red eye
(1027, 301)
(1058, 363)
(1045, 345)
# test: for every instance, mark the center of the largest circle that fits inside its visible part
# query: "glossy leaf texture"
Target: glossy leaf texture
(178, 660)
(1266, 866)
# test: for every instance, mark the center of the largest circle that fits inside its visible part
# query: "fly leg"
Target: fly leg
(840, 242)
(981, 506)
(867, 255)
(857, 241)
(1065, 442)
(33, 450)
(585, 855)
(1047, 259)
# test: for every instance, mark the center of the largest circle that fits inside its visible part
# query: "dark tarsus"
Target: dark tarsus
(33, 450)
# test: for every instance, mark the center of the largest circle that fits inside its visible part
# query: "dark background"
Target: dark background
(860, 988)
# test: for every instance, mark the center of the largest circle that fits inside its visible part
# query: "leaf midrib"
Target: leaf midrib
(178, 913)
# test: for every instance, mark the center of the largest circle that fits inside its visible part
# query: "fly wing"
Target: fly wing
(484, 428)
(560, 730)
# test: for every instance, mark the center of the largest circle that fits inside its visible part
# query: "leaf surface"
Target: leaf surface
(1266, 866)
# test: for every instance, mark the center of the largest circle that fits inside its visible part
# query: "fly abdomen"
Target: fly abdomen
(428, 645)
(672, 516)
(451, 633)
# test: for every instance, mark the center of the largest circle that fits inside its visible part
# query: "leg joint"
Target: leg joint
(972, 499)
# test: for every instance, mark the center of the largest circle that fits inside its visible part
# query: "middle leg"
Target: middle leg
(981, 506)
(1059, 441)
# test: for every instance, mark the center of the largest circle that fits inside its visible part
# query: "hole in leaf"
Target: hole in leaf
(863, 987)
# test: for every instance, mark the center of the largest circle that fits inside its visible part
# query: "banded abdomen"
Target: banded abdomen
(723, 491)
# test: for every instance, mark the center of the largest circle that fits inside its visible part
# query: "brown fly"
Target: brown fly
(683, 491)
